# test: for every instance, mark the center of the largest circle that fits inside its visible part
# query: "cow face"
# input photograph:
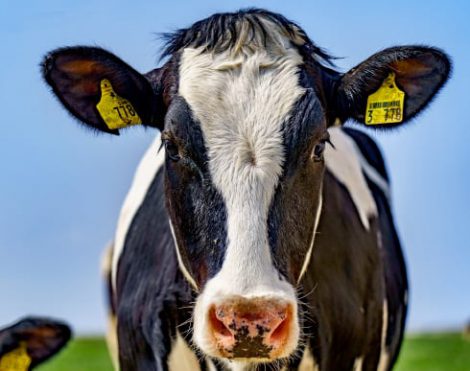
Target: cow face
(244, 137)
(244, 104)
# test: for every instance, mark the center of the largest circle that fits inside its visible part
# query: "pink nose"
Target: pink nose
(251, 328)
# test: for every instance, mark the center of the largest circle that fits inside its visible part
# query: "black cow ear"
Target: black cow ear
(392, 86)
(101, 90)
(31, 341)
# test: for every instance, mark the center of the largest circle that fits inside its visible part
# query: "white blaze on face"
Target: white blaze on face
(241, 101)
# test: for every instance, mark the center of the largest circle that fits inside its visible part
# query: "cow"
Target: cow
(31, 341)
(258, 231)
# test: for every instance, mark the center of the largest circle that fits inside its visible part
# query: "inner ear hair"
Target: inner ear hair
(421, 76)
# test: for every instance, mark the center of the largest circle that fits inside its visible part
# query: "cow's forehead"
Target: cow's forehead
(241, 101)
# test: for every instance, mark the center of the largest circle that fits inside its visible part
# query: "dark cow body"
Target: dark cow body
(352, 273)
(258, 230)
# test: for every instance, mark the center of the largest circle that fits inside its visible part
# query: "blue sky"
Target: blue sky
(61, 186)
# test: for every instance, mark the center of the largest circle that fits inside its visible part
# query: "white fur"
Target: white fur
(182, 357)
(143, 177)
(210, 365)
(384, 356)
(308, 256)
(111, 333)
(358, 364)
(344, 163)
(241, 99)
(374, 175)
(308, 362)
(183, 268)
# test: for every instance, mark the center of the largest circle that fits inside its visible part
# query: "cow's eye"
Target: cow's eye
(318, 151)
(172, 150)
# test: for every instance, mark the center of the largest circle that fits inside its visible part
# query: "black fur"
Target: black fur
(152, 296)
(211, 33)
(298, 187)
(193, 202)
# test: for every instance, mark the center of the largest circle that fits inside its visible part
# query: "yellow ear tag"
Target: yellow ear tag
(386, 105)
(117, 112)
(16, 360)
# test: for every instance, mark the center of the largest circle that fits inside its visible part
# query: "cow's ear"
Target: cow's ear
(392, 86)
(101, 90)
(31, 341)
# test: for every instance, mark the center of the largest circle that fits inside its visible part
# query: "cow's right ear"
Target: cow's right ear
(101, 90)
(31, 341)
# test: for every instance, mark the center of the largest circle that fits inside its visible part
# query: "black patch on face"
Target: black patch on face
(305, 124)
(292, 212)
(196, 208)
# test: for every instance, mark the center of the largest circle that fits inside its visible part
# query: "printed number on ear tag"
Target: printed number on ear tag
(117, 112)
(386, 105)
(16, 360)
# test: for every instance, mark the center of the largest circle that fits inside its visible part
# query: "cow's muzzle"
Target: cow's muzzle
(255, 328)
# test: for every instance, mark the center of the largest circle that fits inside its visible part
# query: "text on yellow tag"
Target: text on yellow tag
(386, 105)
(117, 112)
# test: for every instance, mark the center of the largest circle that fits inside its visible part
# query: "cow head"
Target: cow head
(244, 104)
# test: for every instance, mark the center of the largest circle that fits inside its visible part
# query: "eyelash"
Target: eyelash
(319, 149)
(317, 152)
(171, 150)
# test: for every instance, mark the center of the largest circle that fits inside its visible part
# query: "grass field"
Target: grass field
(433, 352)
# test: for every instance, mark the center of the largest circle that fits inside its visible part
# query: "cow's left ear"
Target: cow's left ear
(392, 86)
(30, 342)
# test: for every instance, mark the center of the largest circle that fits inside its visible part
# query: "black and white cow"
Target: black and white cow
(258, 229)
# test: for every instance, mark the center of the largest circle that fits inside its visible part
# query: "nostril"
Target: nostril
(218, 326)
(281, 332)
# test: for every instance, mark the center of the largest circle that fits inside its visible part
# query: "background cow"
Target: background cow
(262, 233)
(31, 341)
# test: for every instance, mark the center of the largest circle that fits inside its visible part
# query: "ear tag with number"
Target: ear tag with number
(117, 112)
(16, 360)
(386, 105)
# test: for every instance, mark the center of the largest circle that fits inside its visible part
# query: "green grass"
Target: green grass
(82, 354)
(430, 352)
(435, 352)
